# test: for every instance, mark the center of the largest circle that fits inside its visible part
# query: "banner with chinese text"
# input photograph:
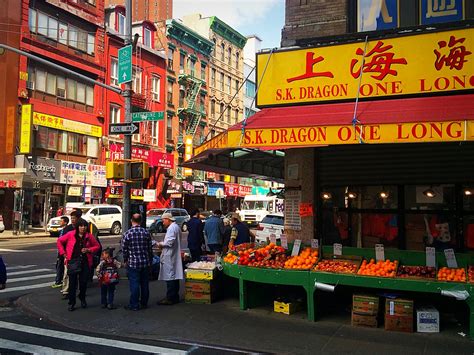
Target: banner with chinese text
(73, 173)
(409, 65)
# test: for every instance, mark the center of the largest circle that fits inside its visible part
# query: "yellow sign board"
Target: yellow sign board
(63, 124)
(25, 129)
(417, 132)
(408, 65)
(10, 130)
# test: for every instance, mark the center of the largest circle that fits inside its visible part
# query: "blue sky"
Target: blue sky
(264, 18)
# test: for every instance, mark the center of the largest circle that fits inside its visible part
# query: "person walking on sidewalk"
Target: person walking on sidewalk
(77, 247)
(195, 235)
(137, 256)
(107, 273)
(75, 215)
(63, 222)
(214, 229)
(171, 265)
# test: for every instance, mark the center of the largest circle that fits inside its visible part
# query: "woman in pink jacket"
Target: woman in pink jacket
(78, 248)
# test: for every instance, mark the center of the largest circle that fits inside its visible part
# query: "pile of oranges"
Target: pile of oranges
(451, 274)
(230, 258)
(380, 268)
(304, 261)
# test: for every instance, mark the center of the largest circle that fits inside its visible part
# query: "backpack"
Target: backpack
(109, 274)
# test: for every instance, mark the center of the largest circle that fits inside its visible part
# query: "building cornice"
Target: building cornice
(185, 35)
(223, 29)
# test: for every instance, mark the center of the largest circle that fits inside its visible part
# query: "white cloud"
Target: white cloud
(236, 13)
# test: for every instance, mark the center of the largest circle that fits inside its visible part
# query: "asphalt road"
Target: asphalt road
(30, 264)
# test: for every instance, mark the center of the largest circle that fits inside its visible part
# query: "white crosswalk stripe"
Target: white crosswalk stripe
(19, 267)
(96, 341)
(24, 278)
(32, 349)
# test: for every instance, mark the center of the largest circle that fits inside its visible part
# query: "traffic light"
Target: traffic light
(114, 170)
(139, 170)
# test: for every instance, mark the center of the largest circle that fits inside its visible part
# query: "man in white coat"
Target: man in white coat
(171, 265)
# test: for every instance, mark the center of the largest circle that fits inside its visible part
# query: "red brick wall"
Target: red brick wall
(313, 18)
(151, 10)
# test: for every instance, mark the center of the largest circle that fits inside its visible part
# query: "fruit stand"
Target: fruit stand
(307, 279)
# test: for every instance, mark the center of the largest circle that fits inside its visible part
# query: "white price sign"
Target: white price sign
(273, 238)
(430, 257)
(337, 249)
(284, 241)
(451, 258)
(296, 247)
(315, 243)
(379, 252)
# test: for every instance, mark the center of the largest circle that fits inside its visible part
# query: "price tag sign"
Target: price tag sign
(296, 247)
(273, 238)
(284, 241)
(379, 252)
(451, 258)
(430, 257)
(337, 249)
(315, 243)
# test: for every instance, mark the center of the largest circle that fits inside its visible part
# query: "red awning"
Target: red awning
(427, 109)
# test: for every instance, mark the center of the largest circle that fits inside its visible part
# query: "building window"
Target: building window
(46, 138)
(42, 24)
(114, 114)
(81, 93)
(237, 85)
(236, 116)
(32, 19)
(170, 58)
(72, 36)
(90, 44)
(120, 23)
(51, 84)
(77, 143)
(213, 77)
(82, 40)
(92, 147)
(182, 58)
(182, 94)
(169, 94)
(137, 80)
(203, 72)
(222, 109)
(192, 67)
(237, 58)
(214, 47)
(222, 82)
(227, 85)
(169, 128)
(53, 28)
(213, 107)
(155, 87)
(228, 113)
(222, 52)
(202, 106)
(89, 96)
(249, 89)
(147, 37)
(154, 133)
(113, 71)
(229, 58)
(63, 33)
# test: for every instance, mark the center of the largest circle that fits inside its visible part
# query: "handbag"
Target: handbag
(74, 266)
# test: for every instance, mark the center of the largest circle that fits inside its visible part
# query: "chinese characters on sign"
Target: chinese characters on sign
(292, 210)
(62, 124)
(409, 65)
(436, 11)
(83, 174)
(373, 15)
(306, 209)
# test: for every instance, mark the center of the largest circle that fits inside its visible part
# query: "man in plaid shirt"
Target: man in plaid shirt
(137, 255)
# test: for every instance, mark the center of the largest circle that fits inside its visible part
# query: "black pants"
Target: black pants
(59, 269)
(82, 278)
(172, 290)
(195, 254)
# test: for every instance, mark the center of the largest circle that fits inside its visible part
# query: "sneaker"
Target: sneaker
(166, 302)
(111, 307)
(55, 285)
(129, 308)
(103, 306)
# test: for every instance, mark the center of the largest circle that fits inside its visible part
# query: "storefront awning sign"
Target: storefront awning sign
(149, 195)
(213, 187)
(245, 190)
(42, 169)
(231, 190)
(73, 173)
(63, 124)
(419, 64)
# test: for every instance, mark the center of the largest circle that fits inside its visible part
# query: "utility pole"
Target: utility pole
(127, 146)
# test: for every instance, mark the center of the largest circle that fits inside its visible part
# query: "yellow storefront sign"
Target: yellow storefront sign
(416, 64)
(417, 132)
(25, 129)
(64, 124)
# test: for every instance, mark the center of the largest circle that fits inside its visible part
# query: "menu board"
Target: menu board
(292, 210)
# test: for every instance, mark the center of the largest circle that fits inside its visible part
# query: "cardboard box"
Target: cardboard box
(206, 286)
(365, 304)
(286, 307)
(199, 297)
(427, 320)
(195, 274)
(399, 323)
(363, 320)
(399, 307)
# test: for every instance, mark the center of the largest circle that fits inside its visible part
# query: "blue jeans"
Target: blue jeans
(138, 282)
(107, 294)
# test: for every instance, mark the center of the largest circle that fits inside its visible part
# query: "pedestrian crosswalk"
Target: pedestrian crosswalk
(23, 278)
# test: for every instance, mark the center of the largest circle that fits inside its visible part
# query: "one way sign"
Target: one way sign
(124, 128)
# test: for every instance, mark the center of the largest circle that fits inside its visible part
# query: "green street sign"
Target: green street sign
(125, 64)
(147, 116)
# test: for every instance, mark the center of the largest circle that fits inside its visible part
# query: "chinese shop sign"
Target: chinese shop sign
(420, 64)
(62, 124)
(73, 173)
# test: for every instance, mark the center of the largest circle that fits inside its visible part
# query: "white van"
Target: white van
(255, 207)
(107, 218)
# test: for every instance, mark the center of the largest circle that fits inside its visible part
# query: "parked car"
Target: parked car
(2, 226)
(270, 224)
(152, 215)
(181, 215)
(107, 218)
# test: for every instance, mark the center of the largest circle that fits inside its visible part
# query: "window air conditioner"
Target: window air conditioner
(30, 85)
(61, 93)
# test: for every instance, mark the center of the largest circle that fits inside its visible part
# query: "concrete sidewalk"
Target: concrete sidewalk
(32, 233)
(224, 324)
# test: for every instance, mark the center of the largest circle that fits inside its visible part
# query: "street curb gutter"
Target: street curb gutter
(24, 304)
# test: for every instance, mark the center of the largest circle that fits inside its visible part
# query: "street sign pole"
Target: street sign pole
(127, 146)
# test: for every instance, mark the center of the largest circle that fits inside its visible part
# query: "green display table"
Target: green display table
(307, 279)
